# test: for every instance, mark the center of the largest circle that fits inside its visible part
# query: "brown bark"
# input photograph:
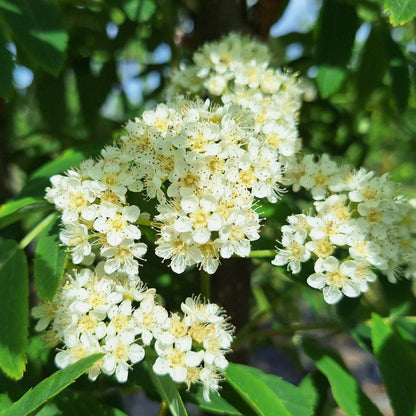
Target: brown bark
(230, 285)
(230, 288)
(263, 15)
(214, 18)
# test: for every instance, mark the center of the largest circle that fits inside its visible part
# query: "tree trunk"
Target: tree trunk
(230, 285)
(216, 18)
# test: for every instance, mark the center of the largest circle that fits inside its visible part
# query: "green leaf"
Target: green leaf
(167, 390)
(347, 392)
(139, 10)
(309, 390)
(338, 24)
(397, 362)
(15, 210)
(400, 11)
(51, 96)
(92, 89)
(6, 67)
(292, 397)
(260, 396)
(373, 64)
(406, 329)
(396, 295)
(330, 79)
(39, 180)
(5, 402)
(219, 404)
(50, 387)
(50, 261)
(71, 403)
(399, 72)
(14, 309)
(37, 27)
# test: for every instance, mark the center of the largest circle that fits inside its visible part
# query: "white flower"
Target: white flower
(71, 195)
(210, 380)
(317, 175)
(198, 311)
(175, 360)
(112, 175)
(150, 318)
(118, 225)
(335, 279)
(122, 258)
(294, 252)
(240, 228)
(120, 317)
(76, 237)
(45, 312)
(179, 247)
(86, 345)
(120, 350)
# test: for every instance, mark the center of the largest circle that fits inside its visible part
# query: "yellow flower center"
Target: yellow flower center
(320, 179)
(176, 357)
(323, 248)
(336, 278)
(200, 218)
(121, 352)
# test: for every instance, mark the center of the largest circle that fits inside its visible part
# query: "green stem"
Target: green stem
(262, 253)
(205, 285)
(37, 230)
(163, 409)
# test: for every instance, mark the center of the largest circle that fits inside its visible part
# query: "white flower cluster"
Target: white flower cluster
(191, 349)
(218, 66)
(206, 167)
(97, 220)
(236, 69)
(94, 312)
(360, 223)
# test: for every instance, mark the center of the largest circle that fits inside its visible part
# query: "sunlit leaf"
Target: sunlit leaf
(50, 387)
(406, 329)
(347, 392)
(39, 180)
(15, 210)
(14, 309)
(37, 27)
(330, 79)
(400, 11)
(292, 397)
(5, 402)
(79, 404)
(397, 362)
(338, 24)
(228, 402)
(139, 10)
(260, 396)
(50, 261)
(167, 390)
